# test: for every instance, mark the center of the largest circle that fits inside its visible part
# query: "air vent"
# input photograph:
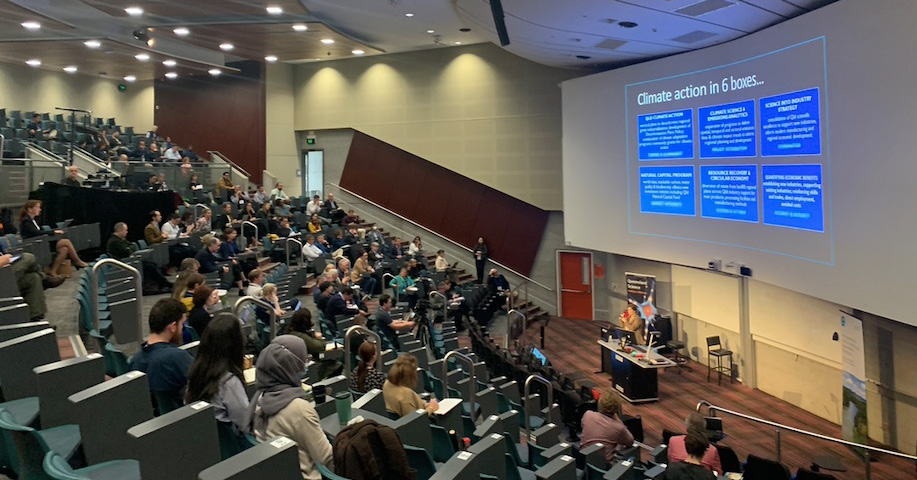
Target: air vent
(610, 44)
(694, 36)
(706, 6)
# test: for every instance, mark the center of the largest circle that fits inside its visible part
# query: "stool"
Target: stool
(680, 360)
(716, 350)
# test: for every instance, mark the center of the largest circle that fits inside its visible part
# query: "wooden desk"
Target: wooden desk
(635, 379)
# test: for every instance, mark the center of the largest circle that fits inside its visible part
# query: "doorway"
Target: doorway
(313, 173)
(575, 282)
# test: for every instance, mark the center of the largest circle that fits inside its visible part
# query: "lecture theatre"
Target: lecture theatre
(457, 239)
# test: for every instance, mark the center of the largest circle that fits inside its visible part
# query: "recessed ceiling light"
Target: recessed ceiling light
(271, 58)
(31, 25)
(142, 57)
(181, 31)
(627, 24)
(130, 78)
(357, 52)
(92, 43)
(431, 31)
(327, 41)
(274, 10)
(226, 46)
(171, 75)
(33, 62)
(169, 63)
(409, 15)
(458, 43)
(134, 11)
(300, 27)
(214, 71)
(70, 69)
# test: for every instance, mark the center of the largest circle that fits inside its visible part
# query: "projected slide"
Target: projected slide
(734, 154)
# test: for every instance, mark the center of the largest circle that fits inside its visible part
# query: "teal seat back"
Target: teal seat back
(420, 460)
(443, 448)
(328, 474)
(58, 469)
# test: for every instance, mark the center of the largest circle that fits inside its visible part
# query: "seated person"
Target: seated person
(631, 320)
(174, 230)
(208, 259)
(401, 283)
(496, 283)
(365, 377)
(224, 187)
(315, 224)
(73, 179)
(677, 451)
(119, 248)
(395, 250)
(441, 265)
(364, 274)
(30, 282)
(224, 219)
(278, 194)
(322, 294)
(375, 236)
(342, 303)
(216, 374)
(165, 365)
(28, 228)
(315, 206)
(387, 326)
(605, 427)
(185, 285)
(350, 218)
(269, 295)
(301, 326)
(311, 251)
(280, 408)
(261, 197)
(202, 298)
(152, 233)
(255, 282)
(398, 389)
(322, 243)
(691, 468)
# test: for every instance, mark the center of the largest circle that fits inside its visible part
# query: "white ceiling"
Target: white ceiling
(574, 34)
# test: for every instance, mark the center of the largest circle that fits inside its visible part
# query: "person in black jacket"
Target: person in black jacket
(28, 228)
(480, 259)
(119, 248)
(208, 258)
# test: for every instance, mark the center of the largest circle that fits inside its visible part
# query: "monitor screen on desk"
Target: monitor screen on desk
(629, 336)
(540, 356)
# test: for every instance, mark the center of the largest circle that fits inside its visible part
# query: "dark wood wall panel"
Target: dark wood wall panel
(444, 201)
(225, 113)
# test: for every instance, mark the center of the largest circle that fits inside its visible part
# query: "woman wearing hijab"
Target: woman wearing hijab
(279, 407)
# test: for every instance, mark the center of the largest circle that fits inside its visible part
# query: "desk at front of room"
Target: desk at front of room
(634, 373)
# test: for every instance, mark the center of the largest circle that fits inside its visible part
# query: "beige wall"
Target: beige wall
(282, 158)
(476, 110)
(35, 89)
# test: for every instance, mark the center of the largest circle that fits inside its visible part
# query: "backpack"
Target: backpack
(370, 451)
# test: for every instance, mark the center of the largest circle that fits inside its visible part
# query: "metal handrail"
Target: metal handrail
(525, 398)
(237, 307)
(286, 248)
(526, 278)
(2, 139)
(203, 207)
(509, 325)
(242, 231)
(377, 342)
(386, 284)
(713, 409)
(445, 302)
(472, 383)
(94, 280)
(230, 162)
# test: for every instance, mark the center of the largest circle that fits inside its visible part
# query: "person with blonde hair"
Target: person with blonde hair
(269, 294)
(605, 425)
(398, 390)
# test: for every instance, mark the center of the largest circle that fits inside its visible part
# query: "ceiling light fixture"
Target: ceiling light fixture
(134, 11)
(31, 25)
(357, 52)
(327, 41)
(181, 31)
(70, 69)
(431, 31)
(300, 27)
(458, 43)
(130, 78)
(409, 15)
(33, 62)
(274, 10)
(226, 47)
(142, 35)
(142, 57)
(171, 75)
(92, 43)
(271, 58)
(169, 63)
(214, 71)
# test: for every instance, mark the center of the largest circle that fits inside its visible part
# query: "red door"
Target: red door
(575, 285)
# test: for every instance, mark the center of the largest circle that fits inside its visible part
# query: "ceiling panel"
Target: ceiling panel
(177, 9)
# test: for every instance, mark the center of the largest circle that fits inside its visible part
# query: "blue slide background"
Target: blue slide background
(727, 137)
(729, 192)
(667, 190)
(800, 207)
(781, 130)
(666, 135)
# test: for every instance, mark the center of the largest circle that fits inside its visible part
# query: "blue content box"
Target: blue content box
(667, 190)
(665, 135)
(728, 130)
(793, 196)
(729, 192)
(790, 124)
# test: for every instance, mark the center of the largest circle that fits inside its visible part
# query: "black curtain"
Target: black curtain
(90, 205)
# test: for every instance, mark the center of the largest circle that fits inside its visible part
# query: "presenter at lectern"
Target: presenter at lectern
(631, 320)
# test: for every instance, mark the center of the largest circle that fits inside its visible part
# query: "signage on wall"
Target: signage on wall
(641, 291)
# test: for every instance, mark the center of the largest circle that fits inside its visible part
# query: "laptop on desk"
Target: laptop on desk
(714, 428)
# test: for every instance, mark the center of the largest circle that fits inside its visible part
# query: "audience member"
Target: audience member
(230, 250)
(388, 326)
(691, 468)
(198, 192)
(322, 243)
(315, 224)
(152, 232)
(496, 283)
(279, 406)
(301, 326)
(30, 282)
(224, 219)
(152, 136)
(185, 285)
(269, 295)
(604, 426)
(350, 218)
(480, 254)
(334, 212)
(398, 389)
(224, 187)
(172, 154)
(73, 177)
(199, 317)
(216, 374)
(255, 282)
(677, 451)
(364, 274)
(404, 287)
(322, 294)
(416, 247)
(28, 228)
(119, 248)
(375, 236)
(315, 206)
(261, 197)
(310, 250)
(174, 230)
(341, 303)
(208, 260)
(394, 251)
(365, 377)
(165, 365)
(441, 265)
(278, 194)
